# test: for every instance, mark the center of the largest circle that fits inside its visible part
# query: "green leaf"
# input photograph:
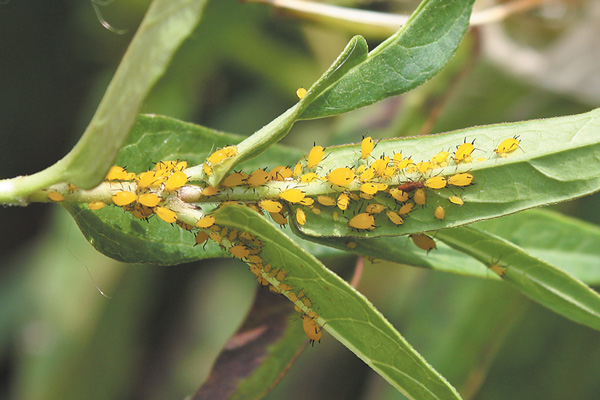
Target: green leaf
(556, 161)
(540, 281)
(342, 311)
(155, 138)
(567, 243)
(166, 24)
(405, 60)
(355, 79)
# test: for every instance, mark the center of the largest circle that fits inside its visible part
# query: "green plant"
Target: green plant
(555, 161)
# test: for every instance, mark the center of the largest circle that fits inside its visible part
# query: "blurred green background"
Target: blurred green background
(157, 332)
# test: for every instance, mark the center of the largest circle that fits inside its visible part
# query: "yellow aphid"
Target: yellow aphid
(375, 208)
(342, 201)
(220, 155)
(326, 200)
(209, 191)
(116, 173)
(399, 195)
(463, 152)
(292, 195)
(254, 259)
(201, 237)
(55, 196)
(354, 196)
(367, 175)
(307, 201)
(262, 280)
(341, 176)
(405, 163)
(274, 289)
(281, 276)
(440, 157)
(315, 156)
(312, 330)
(271, 206)
(216, 237)
(369, 188)
(316, 210)
(239, 251)
(380, 165)
(394, 217)
(146, 179)
(423, 241)
(184, 225)
(463, 179)
(235, 179)
(165, 214)
(205, 222)
(300, 216)
(389, 172)
(424, 166)
(257, 178)
(207, 169)
(351, 245)
(362, 221)
(267, 267)
(309, 177)
(180, 165)
(396, 159)
(439, 212)
(280, 173)
(175, 181)
(365, 196)
(96, 205)
(149, 199)
(366, 147)
(301, 92)
(123, 198)
(256, 269)
(507, 146)
(307, 302)
(361, 168)
(335, 216)
(436, 182)
(297, 170)
(405, 209)
(480, 159)
(293, 298)
(456, 200)
(501, 271)
(279, 218)
(420, 197)
(284, 287)
(382, 186)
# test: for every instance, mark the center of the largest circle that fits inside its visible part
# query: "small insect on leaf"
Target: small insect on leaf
(271, 206)
(279, 218)
(507, 146)
(341, 176)
(463, 179)
(257, 178)
(292, 195)
(201, 237)
(405, 209)
(220, 155)
(436, 182)
(235, 179)
(440, 157)
(439, 213)
(342, 201)
(369, 188)
(315, 156)
(309, 177)
(456, 200)
(362, 221)
(312, 330)
(239, 251)
(326, 200)
(205, 222)
(501, 271)
(420, 197)
(423, 241)
(116, 173)
(149, 199)
(166, 214)
(375, 208)
(96, 205)
(55, 196)
(366, 147)
(398, 194)
(394, 217)
(300, 216)
(124, 198)
(464, 151)
(175, 181)
(301, 92)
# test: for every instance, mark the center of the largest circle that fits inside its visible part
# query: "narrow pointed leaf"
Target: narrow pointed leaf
(341, 310)
(540, 281)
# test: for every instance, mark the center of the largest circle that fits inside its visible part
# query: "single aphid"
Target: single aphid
(341, 176)
(124, 198)
(375, 208)
(464, 151)
(405, 209)
(507, 146)
(398, 194)
(235, 179)
(326, 200)
(55, 196)
(292, 195)
(96, 205)
(423, 241)
(439, 213)
(315, 156)
(420, 197)
(366, 147)
(312, 329)
(239, 251)
(463, 179)
(456, 200)
(166, 214)
(301, 92)
(271, 206)
(205, 222)
(362, 221)
(300, 216)
(149, 199)
(201, 237)
(436, 182)
(175, 181)
(342, 201)
(257, 178)
(394, 217)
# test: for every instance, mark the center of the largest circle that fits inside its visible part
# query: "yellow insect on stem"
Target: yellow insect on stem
(436, 182)
(423, 241)
(507, 146)
(366, 147)
(341, 176)
(292, 195)
(312, 329)
(166, 214)
(124, 198)
(362, 221)
(315, 156)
